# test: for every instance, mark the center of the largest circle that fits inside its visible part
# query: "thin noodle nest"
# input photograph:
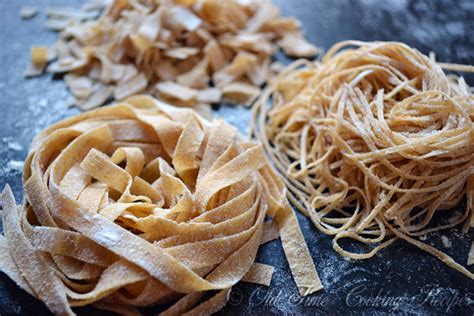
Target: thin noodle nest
(375, 140)
(137, 204)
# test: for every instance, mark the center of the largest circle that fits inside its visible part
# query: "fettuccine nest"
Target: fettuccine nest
(139, 203)
(375, 140)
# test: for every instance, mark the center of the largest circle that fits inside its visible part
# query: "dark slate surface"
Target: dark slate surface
(399, 280)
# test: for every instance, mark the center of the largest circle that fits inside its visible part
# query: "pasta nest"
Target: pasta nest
(135, 204)
(375, 139)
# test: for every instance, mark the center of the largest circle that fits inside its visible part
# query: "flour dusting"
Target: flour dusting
(108, 236)
(15, 165)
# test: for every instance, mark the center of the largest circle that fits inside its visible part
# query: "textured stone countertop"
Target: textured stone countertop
(401, 279)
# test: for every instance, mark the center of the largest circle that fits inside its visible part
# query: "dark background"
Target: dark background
(401, 279)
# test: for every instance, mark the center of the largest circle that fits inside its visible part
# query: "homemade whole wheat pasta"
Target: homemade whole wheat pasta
(142, 203)
(375, 141)
(190, 52)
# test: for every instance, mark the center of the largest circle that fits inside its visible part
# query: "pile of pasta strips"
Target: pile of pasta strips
(188, 52)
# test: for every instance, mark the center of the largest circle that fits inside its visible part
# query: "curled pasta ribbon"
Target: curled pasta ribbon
(375, 140)
(142, 203)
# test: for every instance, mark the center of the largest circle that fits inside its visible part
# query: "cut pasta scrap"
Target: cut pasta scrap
(28, 12)
(132, 86)
(198, 44)
(294, 44)
(177, 91)
(97, 97)
(210, 95)
(142, 202)
(240, 92)
(70, 13)
(375, 140)
(39, 59)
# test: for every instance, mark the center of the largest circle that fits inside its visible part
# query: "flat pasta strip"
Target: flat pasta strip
(259, 274)
(9, 267)
(270, 231)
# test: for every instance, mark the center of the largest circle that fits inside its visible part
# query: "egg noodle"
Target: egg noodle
(142, 203)
(375, 141)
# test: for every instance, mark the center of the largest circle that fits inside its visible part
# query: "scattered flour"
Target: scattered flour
(43, 103)
(446, 242)
(15, 165)
(108, 237)
(15, 146)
